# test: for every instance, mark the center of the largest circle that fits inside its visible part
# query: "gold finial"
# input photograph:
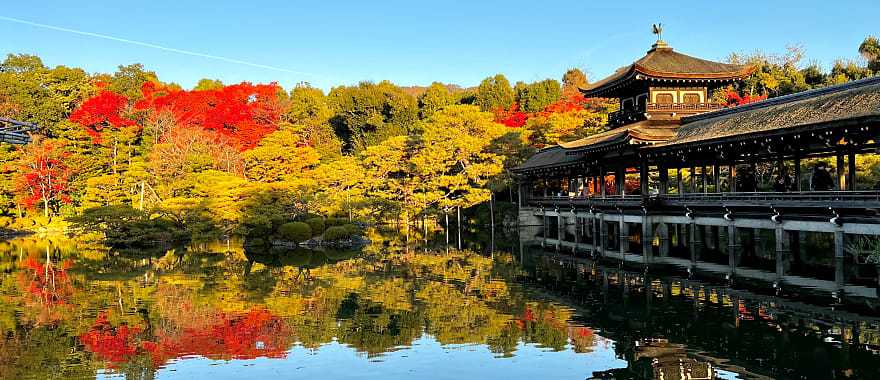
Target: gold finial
(658, 30)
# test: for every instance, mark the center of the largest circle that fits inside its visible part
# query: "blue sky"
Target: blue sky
(329, 43)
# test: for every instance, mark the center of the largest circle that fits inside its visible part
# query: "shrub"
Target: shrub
(352, 230)
(336, 233)
(295, 231)
(331, 222)
(316, 224)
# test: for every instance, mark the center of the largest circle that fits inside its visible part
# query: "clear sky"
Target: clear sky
(329, 43)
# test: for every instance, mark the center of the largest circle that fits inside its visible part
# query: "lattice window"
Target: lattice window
(691, 98)
(664, 98)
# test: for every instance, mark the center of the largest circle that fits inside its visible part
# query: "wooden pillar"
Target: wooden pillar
(841, 178)
(851, 171)
(680, 180)
(797, 170)
(623, 234)
(704, 179)
(781, 253)
(560, 227)
(589, 224)
(603, 235)
(733, 178)
(663, 231)
(694, 242)
(754, 166)
(838, 260)
(731, 247)
(716, 175)
(647, 247)
(602, 181)
(620, 178)
(693, 181)
(643, 177)
(756, 240)
(664, 179)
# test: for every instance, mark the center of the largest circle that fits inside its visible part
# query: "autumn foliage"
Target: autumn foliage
(103, 111)
(44, 175)
(734, 99)
(242, 114)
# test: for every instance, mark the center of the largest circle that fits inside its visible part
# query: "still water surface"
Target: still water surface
(71, 309)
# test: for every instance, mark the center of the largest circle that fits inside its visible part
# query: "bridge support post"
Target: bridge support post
(758, 244)
(663, 232)
(603, 235)
(623, 233)
(577, 234)
(838, 260)
(731, 247)
(545, 230)
(695, 243)
(647, 238)
(560, 227)
(781, 252)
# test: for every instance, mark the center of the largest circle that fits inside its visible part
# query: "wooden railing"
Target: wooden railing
(805, 198)
(683, 107)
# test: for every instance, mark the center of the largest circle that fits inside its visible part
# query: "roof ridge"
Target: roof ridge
(784, 99)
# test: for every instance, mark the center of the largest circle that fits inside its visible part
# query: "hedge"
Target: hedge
(295, 231)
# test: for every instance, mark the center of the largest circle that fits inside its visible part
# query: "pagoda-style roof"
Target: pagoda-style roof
(644, 132)
(850, 102)
(662, 63)
(550, 157)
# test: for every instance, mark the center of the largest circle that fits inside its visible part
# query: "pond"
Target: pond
(74, 309)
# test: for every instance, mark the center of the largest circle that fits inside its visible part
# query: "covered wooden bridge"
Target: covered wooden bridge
(780, 190)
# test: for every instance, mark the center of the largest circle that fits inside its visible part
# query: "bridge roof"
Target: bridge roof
(829, 105)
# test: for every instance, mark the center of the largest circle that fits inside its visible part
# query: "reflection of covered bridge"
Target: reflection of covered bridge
(16, 132)
(676, 180)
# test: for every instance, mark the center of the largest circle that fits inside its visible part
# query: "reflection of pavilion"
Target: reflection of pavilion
(671, 362)
(677, 180)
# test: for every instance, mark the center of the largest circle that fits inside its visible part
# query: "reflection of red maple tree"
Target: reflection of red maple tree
(48, 287)
(254, 334)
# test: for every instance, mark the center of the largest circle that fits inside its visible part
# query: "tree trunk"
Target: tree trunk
(46, 207)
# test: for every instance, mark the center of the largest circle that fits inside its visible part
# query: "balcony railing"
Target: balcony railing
(625, 116)
(806, 199)
(683, 107)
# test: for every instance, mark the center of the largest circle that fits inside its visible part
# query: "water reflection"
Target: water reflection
(71, 309)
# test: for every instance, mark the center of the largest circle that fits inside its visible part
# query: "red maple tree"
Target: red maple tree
(43, 176)
(100, 112)
(242, 113)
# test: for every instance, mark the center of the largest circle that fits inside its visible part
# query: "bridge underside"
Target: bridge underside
(792, 242)
(16, 132)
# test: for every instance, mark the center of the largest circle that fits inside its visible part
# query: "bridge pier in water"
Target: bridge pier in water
(794, 253)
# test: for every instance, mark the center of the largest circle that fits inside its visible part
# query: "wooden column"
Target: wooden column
(603, 235)
(851, 171)
(643, 178)
(781, 252)
(663, 231)
(602, 181)
(731, 247)
(716, 175)
(647, 247)
(680, 180)
(841, 178)
(797, 170)
(664, 179)
(694, 242)
(838, 259)
(704, 179)
(623, 234)
(733, 178)
(620, 178)
(693, 181)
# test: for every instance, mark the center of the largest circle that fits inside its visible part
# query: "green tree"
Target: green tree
(208, 84)
(870, 50)
(534, 97)
(308, 114)
(494, 93)
(127, 80)
(369, 113)
(435, 98)
(572, 80)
